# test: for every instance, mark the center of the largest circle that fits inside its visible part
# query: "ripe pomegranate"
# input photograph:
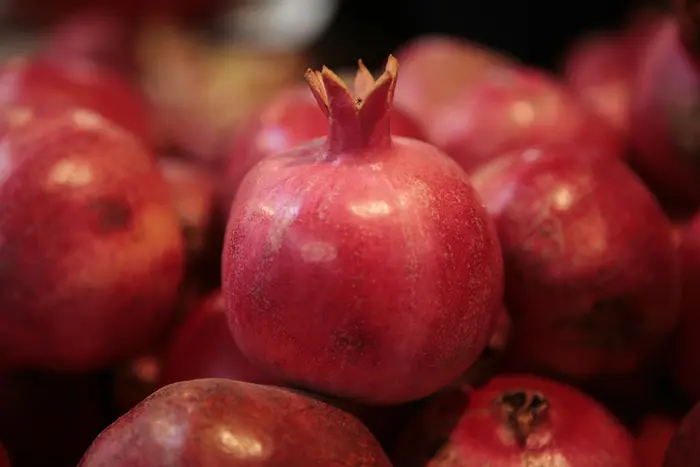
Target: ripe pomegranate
(46, 83)
(435, 69)
(289, 119)
(515, 421)
(663, 120)
(592, 277)
(684, 448)
(333, 285)
(221, 422)
(685, 364)
(202, 347)
(654, 436)
(97, 281)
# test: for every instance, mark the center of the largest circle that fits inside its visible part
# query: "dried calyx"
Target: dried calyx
(523, 412)
(360, 121)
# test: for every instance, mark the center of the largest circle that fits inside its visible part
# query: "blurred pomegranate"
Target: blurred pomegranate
(217, 422)
(687, 15)
(515, 421)
(684, 448)
(331, 285)
(97, 281)
(654, 436)
(592, 276)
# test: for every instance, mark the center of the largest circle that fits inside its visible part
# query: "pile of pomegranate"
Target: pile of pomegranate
(457, 261)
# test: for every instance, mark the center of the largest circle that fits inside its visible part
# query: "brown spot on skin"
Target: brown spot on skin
(113, 215)
(352, 338)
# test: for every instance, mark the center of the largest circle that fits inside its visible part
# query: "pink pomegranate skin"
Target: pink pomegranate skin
(345, 269)
(515, 110)
(684, 448)
(286, 121)
(47, 83)
(592, 277)
(202, 347)
(663, 120)
(92, 254)
(514, 421)
(654, 436)
(226, 423)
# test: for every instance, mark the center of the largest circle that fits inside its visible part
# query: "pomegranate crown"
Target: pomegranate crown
(361, 121)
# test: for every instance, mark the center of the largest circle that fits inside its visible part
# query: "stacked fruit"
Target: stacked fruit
(476, 263)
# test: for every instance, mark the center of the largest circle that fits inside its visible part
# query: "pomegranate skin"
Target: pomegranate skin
(46, 83)
(566, 428)
(653, 439)
(663, 120)
(202, 347)
(225, 423)
(289, 119)
(684, 448)
(68, 302)
(514, 110)
(592, 276)
(344, 268)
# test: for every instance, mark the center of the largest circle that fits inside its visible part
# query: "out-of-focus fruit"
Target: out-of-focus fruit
(515, 110)
(91, 255)
(664, 120)
(221, 422)
(684, 448)
(687, 15)
(50, 420)
(654, 436)
(344, 268)
(289, 119)
(592, 275)
(436, 69)
(515, 421)
(202, 347)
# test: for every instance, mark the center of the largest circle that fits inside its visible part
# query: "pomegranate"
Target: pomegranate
(96, 282)
(592, 277)
(331, 284)
(654, 436)
(516, 110)
(514, 421)
(684, 447)
(687, 14)
(663, 120)
(686, 368)
(46, 83)
(202, 347)
(221, 422)
(435, 69)
(289, 119)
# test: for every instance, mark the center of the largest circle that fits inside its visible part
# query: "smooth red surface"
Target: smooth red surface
(202, 347)
(91, 254)
(592, 276)
(684, 448)
(46, 83)
(515, 110)
(225, 423)
(653, 439)
(289, 119)
(471, 431)
(362, 266)
(663, 121)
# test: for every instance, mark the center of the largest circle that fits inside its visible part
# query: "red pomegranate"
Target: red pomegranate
(344, 267)
(46, 83)
(202, 347)
(96, 281)
(592, 276)
(435, 69)
(515, 421)
(515, 110)
(289, 119)
(684, 447)
(664, 120)
(221, 422)
(654, 436)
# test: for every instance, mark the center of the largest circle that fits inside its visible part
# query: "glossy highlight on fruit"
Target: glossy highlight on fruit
(515, 421)
(345, 269)
(225, 423)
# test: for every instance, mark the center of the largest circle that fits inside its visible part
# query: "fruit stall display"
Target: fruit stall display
(212, 255)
